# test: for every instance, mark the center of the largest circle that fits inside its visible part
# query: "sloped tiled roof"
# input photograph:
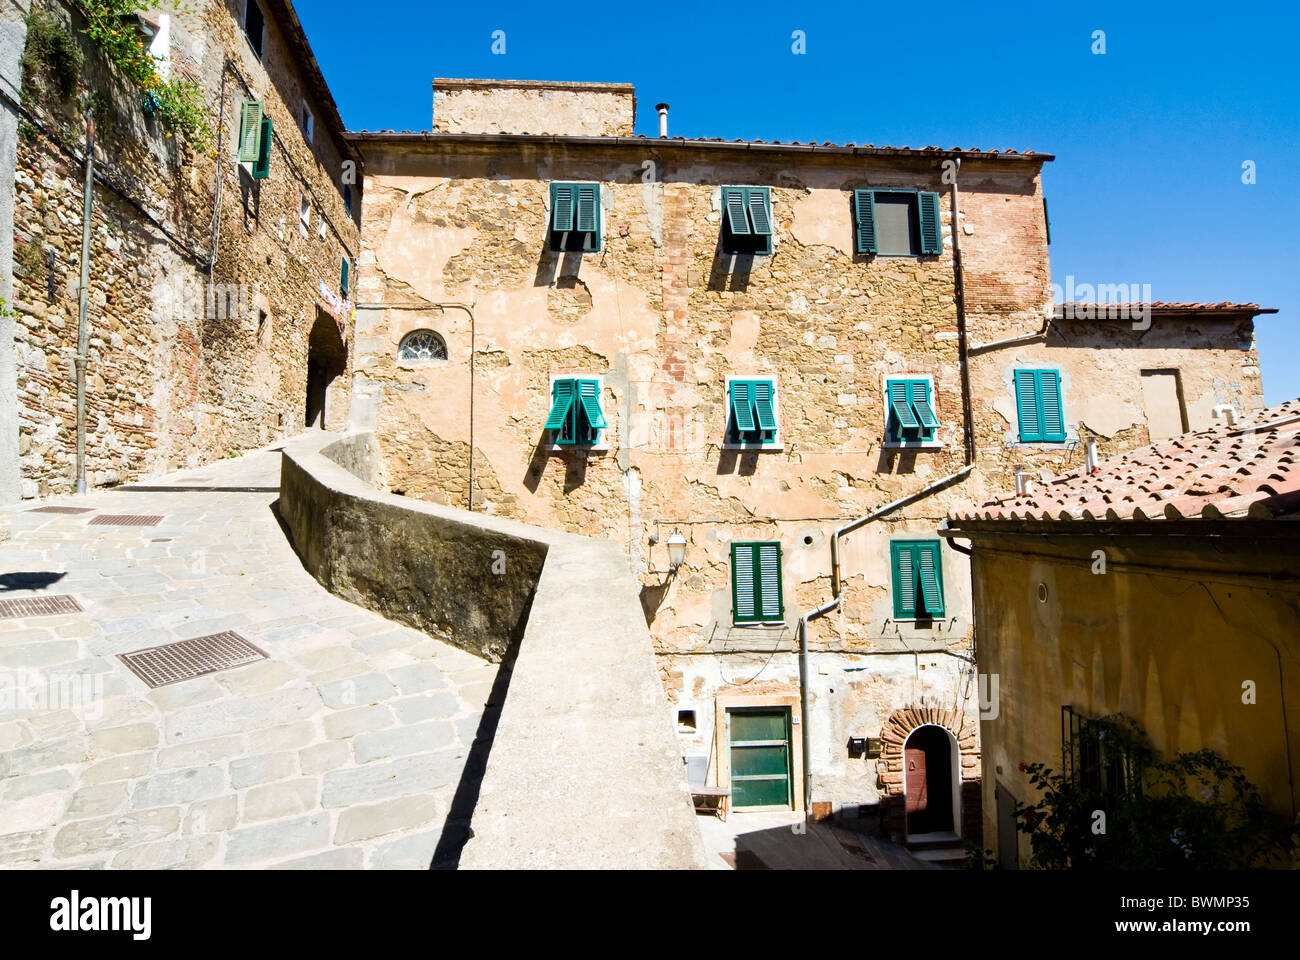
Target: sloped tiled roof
(1250, 469)
(1125, 310)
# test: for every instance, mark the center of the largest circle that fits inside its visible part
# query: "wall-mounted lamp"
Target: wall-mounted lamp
(676, 549)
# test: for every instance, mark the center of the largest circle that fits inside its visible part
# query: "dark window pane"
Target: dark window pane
(897, 231)
(253, 24)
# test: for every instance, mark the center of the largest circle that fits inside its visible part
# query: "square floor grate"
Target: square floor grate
(187, 659)
(65, 510)
(38, 607)
(124, 520)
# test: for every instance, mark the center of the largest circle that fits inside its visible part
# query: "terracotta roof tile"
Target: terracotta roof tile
(1248, 469)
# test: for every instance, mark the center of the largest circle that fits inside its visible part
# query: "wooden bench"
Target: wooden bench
(705, 797)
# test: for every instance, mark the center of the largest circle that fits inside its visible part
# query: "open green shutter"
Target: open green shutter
(864, 207)
(759, 215)
(931, 594)
(1053, 422)
(1027, 406)
(763, 407)
(588, 207)
(769, 581)
(563, 392)
(343, 278)
(250, 131)
(931, 238)
(921, 404)
(898, 403)
(733, 199)
(742, 405)
(904, 580)
(262, 166)
(742, 581)
(562, 203)
(589, 397)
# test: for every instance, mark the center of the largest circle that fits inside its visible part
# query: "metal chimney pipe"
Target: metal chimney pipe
(663, 119)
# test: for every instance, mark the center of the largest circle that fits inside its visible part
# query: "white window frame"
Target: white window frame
(407, 363)
(304, 215)
(603, 446)
(937, 443)
(775, 445)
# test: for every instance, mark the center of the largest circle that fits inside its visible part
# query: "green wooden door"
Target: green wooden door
(760, 757)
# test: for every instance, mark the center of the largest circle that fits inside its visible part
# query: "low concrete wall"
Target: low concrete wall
(584, 770)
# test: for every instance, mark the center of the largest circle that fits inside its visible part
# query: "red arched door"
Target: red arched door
(927, 762)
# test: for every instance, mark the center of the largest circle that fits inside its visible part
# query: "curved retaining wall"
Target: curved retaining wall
(584, 770)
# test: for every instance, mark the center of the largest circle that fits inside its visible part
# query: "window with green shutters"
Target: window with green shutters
(343, 278)
(918, 579)
(1038, 405)
(897, 223)
(910, 416)
(756, 583)
(751, 413)
(250, 131)
(746, 220)
(576, 418)
(575, 217)
(262, 165)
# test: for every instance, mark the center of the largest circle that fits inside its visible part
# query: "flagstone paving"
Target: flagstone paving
(343, 748)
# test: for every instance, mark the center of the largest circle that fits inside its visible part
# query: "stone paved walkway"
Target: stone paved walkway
(343, 749)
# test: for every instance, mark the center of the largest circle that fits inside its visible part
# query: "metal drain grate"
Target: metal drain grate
(38, 607)
(124, 520)
(67, 510)
(187, 659)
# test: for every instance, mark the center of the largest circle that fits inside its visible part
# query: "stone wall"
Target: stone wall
(186, 365)
(664, 318)
(536, 107)
(13, 36)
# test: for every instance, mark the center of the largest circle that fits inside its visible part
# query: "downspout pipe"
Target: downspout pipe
(83, 325)
(837, 593)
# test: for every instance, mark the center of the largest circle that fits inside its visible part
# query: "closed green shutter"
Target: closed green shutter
(343, 278)
(904, 581)
(769, 581)
(898, 403)
(929, 561)
(864, 206)
(733, 198)
(262, 166)
(563, 393)
(918, 579)
(742, 406)
(589, 396)
(762, 390)
(1027, 406)
(928, 210)
(742, 582)
(562, 204)
(250, 131)
(1050, 391)
(588, 208)
(756, 198)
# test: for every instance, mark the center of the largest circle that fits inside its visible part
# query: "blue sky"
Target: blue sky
(1150, 137)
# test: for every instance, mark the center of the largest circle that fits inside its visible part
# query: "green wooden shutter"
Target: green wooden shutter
(563, 392)
(562, 203)
(343, 278)
(864, 206)
(931, 236)
(1027, 406)
(1049, 390)
(899, 405)
(762, 393)
(250, 131)
(742, 406)
(262, 166)
(756, 198)
(920, 390)
(904, 565)
(742, 582)
(588, 203)
(589, 397)
(769, 581)
(931, 590)
(733, 198)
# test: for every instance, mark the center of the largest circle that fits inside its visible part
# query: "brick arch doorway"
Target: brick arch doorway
(931, 777)
(895, 733)
(327, 360)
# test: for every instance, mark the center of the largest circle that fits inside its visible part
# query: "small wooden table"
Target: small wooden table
(703, 795)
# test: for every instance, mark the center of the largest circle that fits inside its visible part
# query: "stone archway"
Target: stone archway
(327, 361)
(891, 777)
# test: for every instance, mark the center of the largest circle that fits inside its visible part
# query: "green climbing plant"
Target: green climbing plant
(177, 102)
(51, 57)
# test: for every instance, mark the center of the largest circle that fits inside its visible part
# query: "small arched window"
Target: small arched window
(422, 345)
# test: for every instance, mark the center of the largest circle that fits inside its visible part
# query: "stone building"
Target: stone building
(792, 358)
(1160, 585)
(219, 305)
